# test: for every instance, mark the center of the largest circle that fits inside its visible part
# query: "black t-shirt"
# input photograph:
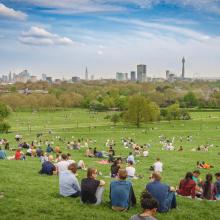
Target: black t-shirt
(88, 190)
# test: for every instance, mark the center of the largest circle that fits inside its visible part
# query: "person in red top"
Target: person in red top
(187, 186)
(19, 155)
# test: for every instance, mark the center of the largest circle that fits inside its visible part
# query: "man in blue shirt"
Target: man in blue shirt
(2, 154)
(121, 192)
(69, 185)
(164, 194)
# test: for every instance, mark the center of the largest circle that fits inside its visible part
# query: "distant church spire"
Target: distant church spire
(183, 68)
(86, 74)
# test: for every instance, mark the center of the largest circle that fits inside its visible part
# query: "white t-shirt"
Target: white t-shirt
(145, 153)
(158, 166)
(130, 171)
(62, 166)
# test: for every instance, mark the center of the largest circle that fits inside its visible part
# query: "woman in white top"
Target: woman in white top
(130, 170)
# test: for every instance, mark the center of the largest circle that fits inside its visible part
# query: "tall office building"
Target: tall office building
(141, 73)
(120, 76)
(183, 68)
(133, 76)
(86, 75)
(44, 77)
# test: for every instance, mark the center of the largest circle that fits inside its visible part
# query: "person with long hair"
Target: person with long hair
(91, 188)
(208, 188)
(187, 186)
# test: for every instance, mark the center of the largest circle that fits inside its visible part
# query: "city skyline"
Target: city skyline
(65, 37)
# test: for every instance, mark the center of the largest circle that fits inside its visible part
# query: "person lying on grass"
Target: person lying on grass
(187, 186)
(91, 188)
(68, 183)
(203, 165)
(149, 206)
(121, 192)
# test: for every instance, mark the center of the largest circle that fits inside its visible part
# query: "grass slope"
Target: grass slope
(27, 195)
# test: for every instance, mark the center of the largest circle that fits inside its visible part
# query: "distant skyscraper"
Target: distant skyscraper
(10, 77)
(141, 73)
(183, 68)
(120, 76)
(86, 74)
(44, 77)
(133, 76)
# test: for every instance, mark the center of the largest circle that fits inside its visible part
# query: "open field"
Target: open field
(27, 195)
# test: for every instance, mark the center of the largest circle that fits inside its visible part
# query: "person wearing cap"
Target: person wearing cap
(121, 192)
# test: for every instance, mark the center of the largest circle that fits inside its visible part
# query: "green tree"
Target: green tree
(4, 113)
(115, 118)
(141, 110)
(190, 100)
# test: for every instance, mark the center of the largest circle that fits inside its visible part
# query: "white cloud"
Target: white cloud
(40, 36)
(11, 13)
(163, 28)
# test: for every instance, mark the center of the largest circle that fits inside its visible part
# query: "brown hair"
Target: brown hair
(122, 174)
(156, 176)
(91, 171)
(73, 167)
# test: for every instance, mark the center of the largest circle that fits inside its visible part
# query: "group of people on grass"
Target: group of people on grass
(193, 187)
(157, 196)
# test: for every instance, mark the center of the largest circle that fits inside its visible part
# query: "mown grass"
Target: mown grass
(27, 195)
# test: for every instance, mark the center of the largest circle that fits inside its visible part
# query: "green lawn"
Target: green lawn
(27, 195)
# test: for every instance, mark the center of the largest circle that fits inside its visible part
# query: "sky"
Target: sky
(62, 37)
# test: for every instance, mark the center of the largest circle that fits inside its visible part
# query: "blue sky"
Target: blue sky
(61, 38)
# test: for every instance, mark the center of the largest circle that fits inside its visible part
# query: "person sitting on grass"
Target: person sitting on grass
(131, 158)
(208, 188)
(80, 165)
(111, 154)
(217, 186)
(130, 170)
(49, 149)
(63, 164)
(115, 168)
(157, 166)
(91, 188)
(121, 193)
(187, 186)
(68, 183)
(48, 167)
(149, 206)
(196, 174)
(19, 155)
(3, 155)
(89, 152)
(164, 194)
